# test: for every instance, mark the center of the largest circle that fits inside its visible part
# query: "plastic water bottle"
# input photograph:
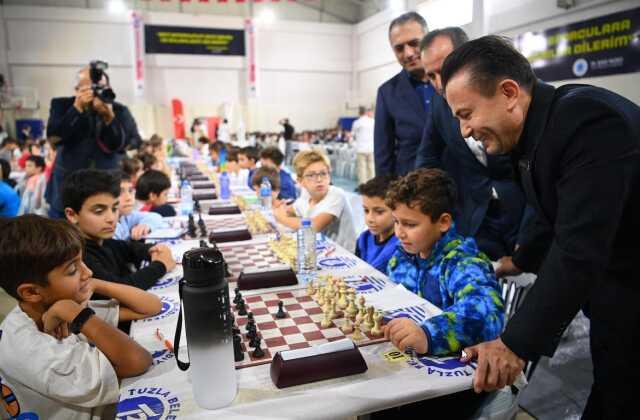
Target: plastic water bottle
(208, 324)
(225, 192)
(265, 193)
(306, 258)
(186, 198)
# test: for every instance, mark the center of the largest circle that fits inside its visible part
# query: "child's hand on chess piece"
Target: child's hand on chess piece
(404, 333)
(140, 231)
(162, 253)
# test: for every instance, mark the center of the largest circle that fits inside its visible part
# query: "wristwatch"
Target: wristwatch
(76, 325)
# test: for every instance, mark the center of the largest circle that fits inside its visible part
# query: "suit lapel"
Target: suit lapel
(407, 92)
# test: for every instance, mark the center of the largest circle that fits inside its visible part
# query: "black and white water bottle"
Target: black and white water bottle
(204, 292)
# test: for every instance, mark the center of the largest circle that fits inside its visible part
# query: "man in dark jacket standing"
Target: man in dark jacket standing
(491, 206)
(577, 148)
(89, 133)
(403, 101)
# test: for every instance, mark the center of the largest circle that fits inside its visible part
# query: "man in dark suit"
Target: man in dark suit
(89, 133)
(490, 204)
(577, 148)
(403, 101)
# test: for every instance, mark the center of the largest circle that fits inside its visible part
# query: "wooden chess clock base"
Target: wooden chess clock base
(327, 361)
(260, 280)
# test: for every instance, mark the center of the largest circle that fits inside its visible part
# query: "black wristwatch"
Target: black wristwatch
(76, 325)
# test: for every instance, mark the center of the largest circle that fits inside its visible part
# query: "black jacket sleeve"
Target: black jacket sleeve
(128, 252)
(384, 138)
(65, 121)
(594, 184)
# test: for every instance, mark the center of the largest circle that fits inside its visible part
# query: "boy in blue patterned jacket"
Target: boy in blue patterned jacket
(436, 263)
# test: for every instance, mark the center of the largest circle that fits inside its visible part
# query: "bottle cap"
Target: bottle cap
(306, 222)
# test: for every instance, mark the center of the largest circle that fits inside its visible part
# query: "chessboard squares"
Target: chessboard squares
(313, 335)
(275, 341)
(286, 322)
(302, 320)
(295, 338)
(290, 330)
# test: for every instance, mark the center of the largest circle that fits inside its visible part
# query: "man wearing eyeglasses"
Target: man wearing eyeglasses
(403, 101)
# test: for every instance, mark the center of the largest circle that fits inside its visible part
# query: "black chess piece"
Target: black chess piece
(238, 354)
(238, 296)
(258, 352)
(255, 340)
(251, 335)
(241, 307)
(281, 313)
(196, 206)
(251, 328)
(191, 227)
(250, 317)
(203, 227)
(203, 244)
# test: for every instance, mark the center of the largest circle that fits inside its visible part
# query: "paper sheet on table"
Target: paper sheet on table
(392, 298)
(165, 233)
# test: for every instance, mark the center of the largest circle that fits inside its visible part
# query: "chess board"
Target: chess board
(232, 223)
(250, 258)
(300, 329)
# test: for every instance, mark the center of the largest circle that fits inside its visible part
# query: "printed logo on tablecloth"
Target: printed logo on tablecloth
(451, 367)
(9, 403)
(169, 307)
(415, 313)
(161, 356)
(148, 403)
(337, 262)
(165, 282)
(366, 284)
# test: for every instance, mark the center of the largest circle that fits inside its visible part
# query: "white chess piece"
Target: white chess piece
(347, 327)
(377, 330)
(357, 334)
(326, 321)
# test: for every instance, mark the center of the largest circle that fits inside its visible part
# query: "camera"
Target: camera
(96, 72)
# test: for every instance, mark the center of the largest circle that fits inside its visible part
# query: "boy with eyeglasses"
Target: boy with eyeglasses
(326, 205)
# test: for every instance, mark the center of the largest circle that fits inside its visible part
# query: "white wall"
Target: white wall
(304, 68)
(374, 61)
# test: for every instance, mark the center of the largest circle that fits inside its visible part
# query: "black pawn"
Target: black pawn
(203, 227)
(251, 328)
(238, 354)
(196, 206)
(191, 227)
(203, 244)
(258, 352)
(238, 296)
(254, 341)
(242, 309)
(281, 313)
(250, 317)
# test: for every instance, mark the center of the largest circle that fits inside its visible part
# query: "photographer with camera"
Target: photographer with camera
(91, 130)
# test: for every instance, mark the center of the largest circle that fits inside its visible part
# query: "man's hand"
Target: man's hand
(84, 96)
(140, 231)
(497, 365)
(57, 318)
(162, 253)
(506, 267)
(404, 333)
(104, 110)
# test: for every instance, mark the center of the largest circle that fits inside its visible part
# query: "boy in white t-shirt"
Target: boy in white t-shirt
(61, 355)
(325, 204)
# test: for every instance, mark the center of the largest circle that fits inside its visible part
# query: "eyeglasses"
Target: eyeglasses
(315, 176)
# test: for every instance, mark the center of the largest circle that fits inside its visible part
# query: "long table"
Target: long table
(392, 378)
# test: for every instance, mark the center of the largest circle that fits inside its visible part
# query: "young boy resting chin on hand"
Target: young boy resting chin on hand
(61, 355)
